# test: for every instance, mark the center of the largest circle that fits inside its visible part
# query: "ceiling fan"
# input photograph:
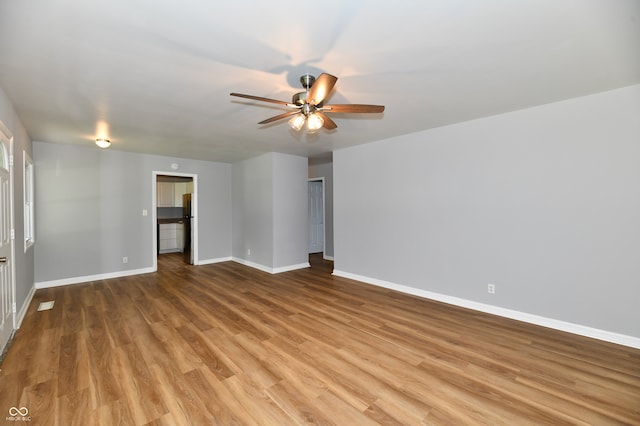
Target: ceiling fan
(308, 105)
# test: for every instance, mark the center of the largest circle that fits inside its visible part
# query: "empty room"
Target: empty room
(340, 212)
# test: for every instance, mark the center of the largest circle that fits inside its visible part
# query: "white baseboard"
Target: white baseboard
(290, 268)
(25, 307)
(325, 257)
(217, 260)
(89, 278)
(271, 270)
(578, 329)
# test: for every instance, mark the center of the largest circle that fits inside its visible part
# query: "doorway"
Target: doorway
(316, 215)
(7, 280)
(175, 218)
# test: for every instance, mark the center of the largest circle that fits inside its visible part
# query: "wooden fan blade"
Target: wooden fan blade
(321, 88)
(353, 108)
(329, 124)
(259, 98)
(279, 117)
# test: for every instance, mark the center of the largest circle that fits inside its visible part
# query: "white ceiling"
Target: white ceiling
(159, 72)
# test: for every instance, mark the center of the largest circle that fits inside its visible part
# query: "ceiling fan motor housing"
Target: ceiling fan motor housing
(299, 98)
(307, 81)
(308, 109)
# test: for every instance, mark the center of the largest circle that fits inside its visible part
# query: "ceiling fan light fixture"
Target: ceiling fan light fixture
(309, 105)
(297, 121)
(103, 143)
(314, 122)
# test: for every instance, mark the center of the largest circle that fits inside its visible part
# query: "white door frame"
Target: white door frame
(154, 213)
(7, 138)
(324, 215)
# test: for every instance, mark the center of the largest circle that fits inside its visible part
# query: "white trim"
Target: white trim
(217, 260)
(98, 277)
(325, 257)
(252, 264)
(578, 329)
(25, 307)
(7, 136)
(89, 278)
(268, 269)
(154, 214)
(28, 193)
(291, 268)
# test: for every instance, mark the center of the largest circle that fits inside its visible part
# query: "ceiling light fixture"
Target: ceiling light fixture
(103, 143)
(314, 122)
(297, 121)
(309, 115)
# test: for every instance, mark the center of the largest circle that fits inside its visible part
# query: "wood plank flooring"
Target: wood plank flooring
(226, 344)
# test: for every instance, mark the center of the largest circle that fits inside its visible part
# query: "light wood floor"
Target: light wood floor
(226, 344)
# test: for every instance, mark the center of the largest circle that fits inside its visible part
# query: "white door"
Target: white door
(6, 286)
(316, 217)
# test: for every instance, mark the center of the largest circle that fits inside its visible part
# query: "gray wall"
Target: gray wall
(23, 262)
(270, 210)
(543, 202)
(291, 217)
(89, 206)
(325, 170)
(90, 201)
(253, 210)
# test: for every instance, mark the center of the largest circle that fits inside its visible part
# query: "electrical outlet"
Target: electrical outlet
(125, 259)
(248, 252)
(145, 212)
(491, 288)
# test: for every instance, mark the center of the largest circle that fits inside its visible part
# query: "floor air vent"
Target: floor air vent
(45, 306)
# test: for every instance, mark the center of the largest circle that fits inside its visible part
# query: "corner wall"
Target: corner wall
(252, 182)
(291, 217)
(270, 212)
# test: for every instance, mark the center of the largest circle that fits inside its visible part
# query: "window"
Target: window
(29, 234)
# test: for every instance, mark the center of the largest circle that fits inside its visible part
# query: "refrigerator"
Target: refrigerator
(187, 216)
